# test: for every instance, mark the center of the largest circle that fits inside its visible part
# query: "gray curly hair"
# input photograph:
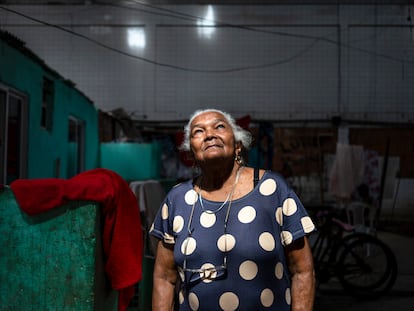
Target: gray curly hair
(240, 135)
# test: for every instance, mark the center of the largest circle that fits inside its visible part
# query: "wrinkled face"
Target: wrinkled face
(211, 137)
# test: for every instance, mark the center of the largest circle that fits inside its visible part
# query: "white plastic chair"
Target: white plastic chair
(361, 215)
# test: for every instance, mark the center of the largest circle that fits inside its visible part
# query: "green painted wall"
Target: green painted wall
(25, 74)
(132, 161)
(54, 260)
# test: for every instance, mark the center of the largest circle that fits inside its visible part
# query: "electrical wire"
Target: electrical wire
(289, 59)
(279, 33)
(176, 14)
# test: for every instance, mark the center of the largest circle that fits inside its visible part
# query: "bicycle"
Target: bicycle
(364, 265)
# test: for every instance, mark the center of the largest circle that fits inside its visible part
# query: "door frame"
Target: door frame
(4, 125)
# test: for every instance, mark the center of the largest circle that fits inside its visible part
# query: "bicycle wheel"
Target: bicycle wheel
(348, 239)
(366, 267)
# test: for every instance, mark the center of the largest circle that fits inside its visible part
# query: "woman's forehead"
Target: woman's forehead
(208, 117)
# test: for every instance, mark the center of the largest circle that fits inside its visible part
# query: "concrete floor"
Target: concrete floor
(331, 297)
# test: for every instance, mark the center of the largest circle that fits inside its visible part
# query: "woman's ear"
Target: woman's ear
(238, 147)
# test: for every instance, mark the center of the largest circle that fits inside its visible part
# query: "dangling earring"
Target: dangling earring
(238, 159)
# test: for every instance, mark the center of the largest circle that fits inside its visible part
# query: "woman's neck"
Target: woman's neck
(216, 178)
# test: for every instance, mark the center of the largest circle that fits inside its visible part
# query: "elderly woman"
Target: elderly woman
(234, 237)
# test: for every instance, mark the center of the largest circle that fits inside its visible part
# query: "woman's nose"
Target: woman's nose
(209, 133)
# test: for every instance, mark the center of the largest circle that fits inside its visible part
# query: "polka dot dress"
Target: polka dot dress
(240, 266)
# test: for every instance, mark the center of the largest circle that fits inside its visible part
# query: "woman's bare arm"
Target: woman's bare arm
(300, 262)
(164, 278)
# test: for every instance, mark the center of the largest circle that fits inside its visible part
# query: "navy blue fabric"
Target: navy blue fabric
(260, 224)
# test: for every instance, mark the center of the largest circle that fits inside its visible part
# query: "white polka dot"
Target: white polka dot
(190, 197)
(268, 187)
(247, 214)
(181, 274)
(286, 237)
(229, 301)
(193, 301)
(248, 270)
(207, 220)
(226, 242)
(164, 211)
(279, 270)
(188, 246)
(267, 242)
(267, 297)
(307, 224)
(279, 216)
(288, 297)
(181, 297)
(289, 207)
(178, 224)
(168, 238)
(209, 273)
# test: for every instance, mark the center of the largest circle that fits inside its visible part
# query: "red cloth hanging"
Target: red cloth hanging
(122, 233)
